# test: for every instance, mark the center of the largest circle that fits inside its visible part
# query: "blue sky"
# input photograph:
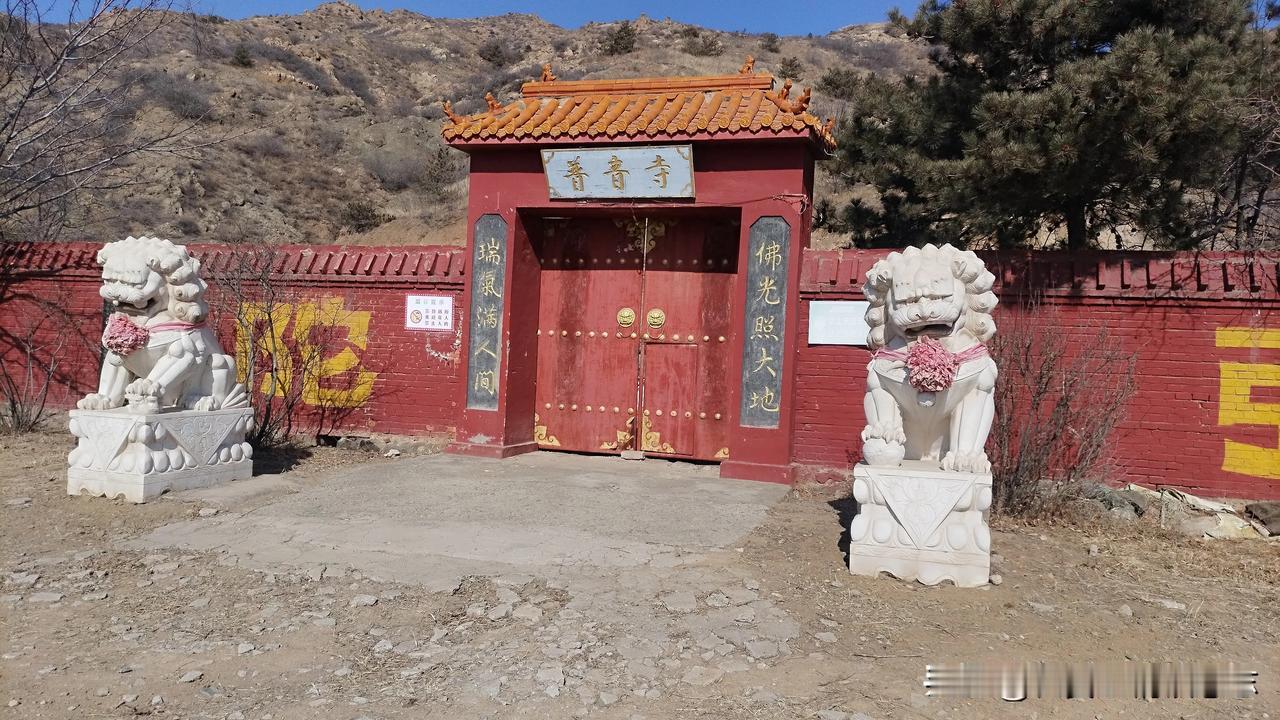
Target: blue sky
(785, 17)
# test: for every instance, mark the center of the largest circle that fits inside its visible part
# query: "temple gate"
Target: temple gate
(635, 249)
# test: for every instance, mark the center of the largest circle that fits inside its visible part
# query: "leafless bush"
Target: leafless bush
(394, 170)
(355, 81)
(287, 350)
(263, 145)
(28, 367)
(1058, 400)
(430, 168)
(184, 98)
(498, 53)
(326, 139)
(704, 44)
(360, 216)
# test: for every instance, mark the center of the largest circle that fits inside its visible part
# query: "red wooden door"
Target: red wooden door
(688, 300)
(634, 336)
(588, 352)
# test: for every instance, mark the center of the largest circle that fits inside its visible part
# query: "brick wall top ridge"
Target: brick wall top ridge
(436, 263)
(1114, 274)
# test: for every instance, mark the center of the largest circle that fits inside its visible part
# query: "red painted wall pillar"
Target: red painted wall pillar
(499, 351)
(767, 314)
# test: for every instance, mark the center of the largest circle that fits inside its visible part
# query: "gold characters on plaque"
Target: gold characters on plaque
(617, 173)
(577, 176)
(661, 170)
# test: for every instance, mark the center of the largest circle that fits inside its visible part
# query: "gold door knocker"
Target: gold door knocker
(656, 318)
(626, 317)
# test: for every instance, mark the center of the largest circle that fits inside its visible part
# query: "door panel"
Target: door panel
(688, 281)
(598, 372)
(588, 364)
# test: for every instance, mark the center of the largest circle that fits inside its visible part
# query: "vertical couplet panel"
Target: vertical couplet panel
(764, 322)
(488, 268)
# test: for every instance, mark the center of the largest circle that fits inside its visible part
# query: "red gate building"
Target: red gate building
(635, 251)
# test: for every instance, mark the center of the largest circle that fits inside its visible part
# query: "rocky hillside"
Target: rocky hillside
(325, 126)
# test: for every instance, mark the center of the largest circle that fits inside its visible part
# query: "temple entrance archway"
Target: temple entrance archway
(635, 333)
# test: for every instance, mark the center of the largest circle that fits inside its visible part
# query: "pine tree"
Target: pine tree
(1088, 115)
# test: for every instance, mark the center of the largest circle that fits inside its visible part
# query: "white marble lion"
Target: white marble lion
(160, 352)
(930, 381)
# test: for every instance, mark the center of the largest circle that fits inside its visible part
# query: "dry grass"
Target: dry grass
(327, 90)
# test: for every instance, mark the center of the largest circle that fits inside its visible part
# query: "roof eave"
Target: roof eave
(808, 133)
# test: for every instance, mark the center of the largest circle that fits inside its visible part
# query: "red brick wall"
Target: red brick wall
(410, 374)
(1206, 329)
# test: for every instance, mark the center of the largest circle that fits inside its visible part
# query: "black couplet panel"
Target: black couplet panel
(488, 269)
(765, 320)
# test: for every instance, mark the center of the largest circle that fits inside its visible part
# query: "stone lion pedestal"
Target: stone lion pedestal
(168, 413)
(918, 522)
(139, 457)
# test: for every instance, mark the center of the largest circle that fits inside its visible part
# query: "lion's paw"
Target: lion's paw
(967, 462)
(98, 401)
(887, 431)
(203, 403)
(143, 387)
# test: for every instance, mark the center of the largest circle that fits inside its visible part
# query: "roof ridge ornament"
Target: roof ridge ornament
(801, 103)
(547, 75)
(494, 105)
(453, 117)
(748, 66)
(786, 90)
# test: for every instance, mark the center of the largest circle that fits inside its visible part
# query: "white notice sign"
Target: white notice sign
(838, 322)
(428, 312)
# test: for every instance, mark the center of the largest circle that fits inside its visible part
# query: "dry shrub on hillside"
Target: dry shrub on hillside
(703, 44)
(263, 145)
(352, 79)
(184, 98)
(360, 216)
(430, 168)
(1062, 391)
(303, 69)
(499, 53)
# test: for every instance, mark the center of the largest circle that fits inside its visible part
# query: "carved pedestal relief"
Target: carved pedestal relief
(920, 523)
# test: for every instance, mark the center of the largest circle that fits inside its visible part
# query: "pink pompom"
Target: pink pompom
(930, 366)
(122, 336)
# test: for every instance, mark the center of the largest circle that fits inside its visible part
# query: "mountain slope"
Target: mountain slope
(325, 125)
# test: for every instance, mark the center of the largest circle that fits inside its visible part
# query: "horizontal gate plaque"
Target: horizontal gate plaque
(646, 171)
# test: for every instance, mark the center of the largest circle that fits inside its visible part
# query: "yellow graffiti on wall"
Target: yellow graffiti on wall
(313, 342)
(1237, 381)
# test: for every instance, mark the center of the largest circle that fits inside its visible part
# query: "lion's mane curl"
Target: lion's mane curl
(965, 266)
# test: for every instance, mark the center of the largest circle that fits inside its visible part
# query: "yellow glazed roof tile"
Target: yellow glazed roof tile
(743, 104)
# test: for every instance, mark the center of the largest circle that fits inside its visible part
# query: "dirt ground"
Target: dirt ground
(771, 627)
